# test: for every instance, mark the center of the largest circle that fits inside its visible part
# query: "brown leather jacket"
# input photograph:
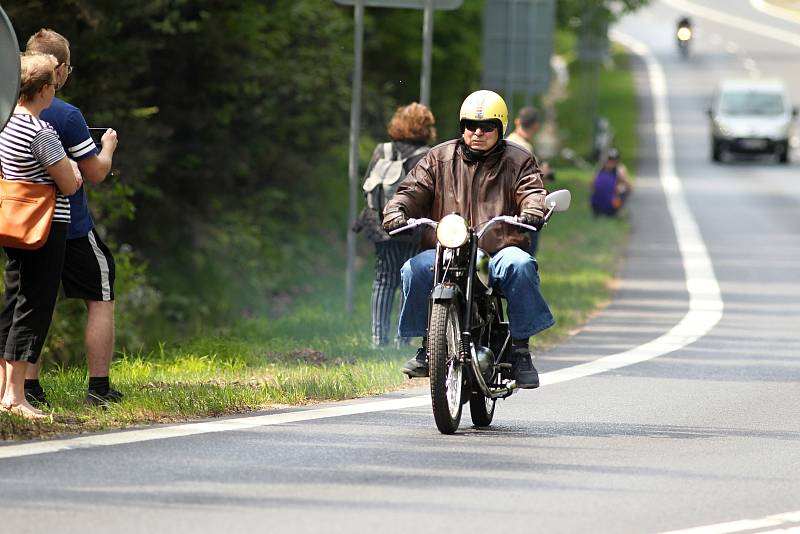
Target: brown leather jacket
(507, 182)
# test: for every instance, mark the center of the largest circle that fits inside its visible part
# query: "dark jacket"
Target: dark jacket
(506, 182)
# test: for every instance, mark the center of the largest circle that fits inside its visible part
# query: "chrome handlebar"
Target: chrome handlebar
(413, 223)
(510, 219)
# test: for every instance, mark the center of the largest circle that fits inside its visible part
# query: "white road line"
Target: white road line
(721, 17)
(789, 519)
(207, 427)
(705, 311)
(705, 301)
(776, 11)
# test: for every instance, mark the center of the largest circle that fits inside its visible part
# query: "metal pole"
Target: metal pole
(427, 51)
(355, 123)
(512, 60)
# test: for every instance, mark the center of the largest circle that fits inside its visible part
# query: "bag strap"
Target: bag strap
(388, 151)
(418, 152)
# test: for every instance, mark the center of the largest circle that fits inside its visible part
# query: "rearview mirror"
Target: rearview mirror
(558, 200)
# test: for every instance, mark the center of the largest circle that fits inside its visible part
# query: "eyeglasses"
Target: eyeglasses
(69, 68)
(485, 126)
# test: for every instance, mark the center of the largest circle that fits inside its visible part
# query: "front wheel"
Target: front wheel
(447, 372)
(481, 409)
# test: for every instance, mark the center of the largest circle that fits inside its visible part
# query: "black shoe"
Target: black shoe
(522, 367)
(417, 367)
(36, 397)
(95, 398)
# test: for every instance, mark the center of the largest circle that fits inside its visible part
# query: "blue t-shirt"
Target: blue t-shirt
(71, 127)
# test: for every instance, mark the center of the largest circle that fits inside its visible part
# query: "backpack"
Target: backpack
(379, 187)
(386, 175)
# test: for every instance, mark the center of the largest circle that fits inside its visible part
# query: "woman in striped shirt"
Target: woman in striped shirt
(30, 150)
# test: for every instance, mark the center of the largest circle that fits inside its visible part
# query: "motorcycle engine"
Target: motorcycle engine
(485, 359)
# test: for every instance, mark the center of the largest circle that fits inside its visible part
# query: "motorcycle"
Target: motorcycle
(469, 340)
(683, 36)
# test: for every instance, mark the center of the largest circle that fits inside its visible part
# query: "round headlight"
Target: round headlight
(452, 231)
(684, 34)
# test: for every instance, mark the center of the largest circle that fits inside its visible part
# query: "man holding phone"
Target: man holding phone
(88, 264)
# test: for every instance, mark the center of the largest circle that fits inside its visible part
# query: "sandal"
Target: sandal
(24, 411)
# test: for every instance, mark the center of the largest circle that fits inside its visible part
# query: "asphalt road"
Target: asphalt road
(706, 434)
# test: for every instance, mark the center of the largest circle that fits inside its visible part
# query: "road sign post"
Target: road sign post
(517, 45)
(355, 105)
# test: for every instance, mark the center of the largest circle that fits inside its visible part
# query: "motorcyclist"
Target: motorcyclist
(684, 23)
(479, 176)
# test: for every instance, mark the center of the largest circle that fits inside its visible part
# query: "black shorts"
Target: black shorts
(88, 269)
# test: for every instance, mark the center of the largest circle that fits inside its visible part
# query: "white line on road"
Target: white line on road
(705, 311)
(789, 519)
(705, 301)
(776, 11)
(721, 17)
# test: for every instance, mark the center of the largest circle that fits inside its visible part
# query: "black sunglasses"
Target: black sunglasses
(485, 126)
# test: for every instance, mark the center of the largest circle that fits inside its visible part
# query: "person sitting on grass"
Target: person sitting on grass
(611, 186)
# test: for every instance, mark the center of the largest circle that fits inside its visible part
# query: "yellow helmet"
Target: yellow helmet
(484, 105)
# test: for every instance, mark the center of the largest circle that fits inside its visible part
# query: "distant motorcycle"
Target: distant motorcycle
(683, 36)
(469, 340)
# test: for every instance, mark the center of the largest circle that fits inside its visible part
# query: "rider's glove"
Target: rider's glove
(537, 221)
(394, 220)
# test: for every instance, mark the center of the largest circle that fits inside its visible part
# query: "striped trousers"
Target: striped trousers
(389, 258)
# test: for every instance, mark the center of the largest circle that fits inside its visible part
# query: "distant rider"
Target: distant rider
(683, 32)
(479, 176)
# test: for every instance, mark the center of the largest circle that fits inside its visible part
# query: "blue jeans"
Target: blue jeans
(511, 269)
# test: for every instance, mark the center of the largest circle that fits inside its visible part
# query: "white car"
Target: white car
(749, 116)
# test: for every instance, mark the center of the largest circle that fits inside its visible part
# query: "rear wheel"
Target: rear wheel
(447, 372)
(481, 409)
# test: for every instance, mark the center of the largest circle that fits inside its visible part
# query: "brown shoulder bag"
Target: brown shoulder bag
(26, 213)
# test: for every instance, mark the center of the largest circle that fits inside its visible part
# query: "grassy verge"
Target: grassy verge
(312, 352)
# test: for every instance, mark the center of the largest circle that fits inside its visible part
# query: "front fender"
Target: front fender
(445, 292)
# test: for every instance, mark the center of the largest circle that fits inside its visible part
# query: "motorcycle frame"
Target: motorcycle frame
(446, 289)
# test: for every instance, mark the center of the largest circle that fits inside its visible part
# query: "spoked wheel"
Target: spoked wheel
(481, 409)
(447, 373)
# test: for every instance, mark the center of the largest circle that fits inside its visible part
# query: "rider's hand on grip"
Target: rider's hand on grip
(530, 219)
(394, 220)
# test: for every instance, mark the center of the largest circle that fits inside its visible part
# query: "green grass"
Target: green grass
(579, 253)
(313, 352)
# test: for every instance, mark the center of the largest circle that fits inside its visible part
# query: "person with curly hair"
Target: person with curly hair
(410, 130)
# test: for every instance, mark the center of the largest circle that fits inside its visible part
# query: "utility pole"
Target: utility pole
(355, 106)
(352, 166)
(427, 52)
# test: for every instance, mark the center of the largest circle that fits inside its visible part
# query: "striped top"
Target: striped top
(27, 147)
